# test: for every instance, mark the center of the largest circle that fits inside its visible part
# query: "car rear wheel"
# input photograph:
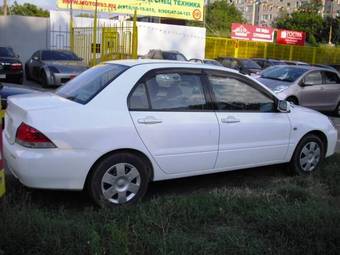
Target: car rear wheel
(119, 179)
(337, 110)
(43, 80)
(308, 155)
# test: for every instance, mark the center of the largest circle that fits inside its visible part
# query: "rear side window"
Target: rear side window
(89, 83)
(331, 78)
(173, 91)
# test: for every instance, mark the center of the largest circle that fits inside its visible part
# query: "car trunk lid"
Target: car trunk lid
(20, 107)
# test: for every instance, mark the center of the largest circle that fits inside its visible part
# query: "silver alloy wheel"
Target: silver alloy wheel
(310, 156)
(121, 183)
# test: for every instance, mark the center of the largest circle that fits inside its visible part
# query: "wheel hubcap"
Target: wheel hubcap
(120, 183)
(310, 156)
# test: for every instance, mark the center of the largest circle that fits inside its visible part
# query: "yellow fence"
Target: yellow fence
(226, 47)
(114, 42)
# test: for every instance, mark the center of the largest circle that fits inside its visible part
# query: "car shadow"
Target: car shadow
(78, 200)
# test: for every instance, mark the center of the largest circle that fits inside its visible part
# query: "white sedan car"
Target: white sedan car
(122, 124)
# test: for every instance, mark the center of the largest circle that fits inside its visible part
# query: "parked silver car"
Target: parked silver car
(313, 87)
(54, 67)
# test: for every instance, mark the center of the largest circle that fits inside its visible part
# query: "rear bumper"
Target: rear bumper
(48, 168)
(12, 77)
(332, 138)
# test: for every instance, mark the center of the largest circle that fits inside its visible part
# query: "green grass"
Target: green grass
(257, 211)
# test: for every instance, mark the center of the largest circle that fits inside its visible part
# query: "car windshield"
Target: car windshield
(6, 52)
(48, 55)
(173, 56)
(89, 83)
(285, 73)
(250, 64)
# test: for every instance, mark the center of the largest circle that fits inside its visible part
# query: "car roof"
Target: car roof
(163, 63)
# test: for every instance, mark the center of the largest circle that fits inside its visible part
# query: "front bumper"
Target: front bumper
(48, 168)
(58, 79)
(332, 138)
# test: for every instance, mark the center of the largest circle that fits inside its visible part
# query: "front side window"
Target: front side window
(331, 78)
(172, 91)
(314, 78)
(89, 83)
(234, 95)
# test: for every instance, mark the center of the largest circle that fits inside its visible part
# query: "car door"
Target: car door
(312, 90)
(252, 131)
(171, 114)
(331, 90)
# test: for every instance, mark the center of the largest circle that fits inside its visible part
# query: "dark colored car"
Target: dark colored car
(325, 66)
(295, 63)
(166, 55)
(6, 91)
(244, 66)
(54, 67)
(206, 61)
(264, 63)
(10, 66)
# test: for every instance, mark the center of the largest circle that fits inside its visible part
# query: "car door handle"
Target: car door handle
(229, 120)
(149, 121)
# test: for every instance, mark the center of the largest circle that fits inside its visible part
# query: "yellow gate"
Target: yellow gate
(114, 42)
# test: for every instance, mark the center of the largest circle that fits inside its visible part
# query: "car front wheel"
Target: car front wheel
(119, 179)
(308, 155)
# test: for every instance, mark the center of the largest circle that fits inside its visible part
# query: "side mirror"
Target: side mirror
(305, 84)
(283, 106)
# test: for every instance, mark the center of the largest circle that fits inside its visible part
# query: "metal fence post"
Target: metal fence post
(94, 44)
(135, 37)
(291, 52)
(314, 56)
(265, 53)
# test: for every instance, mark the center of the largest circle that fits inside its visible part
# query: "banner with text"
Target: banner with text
(176, 9)
(291, 37)
(252, 33)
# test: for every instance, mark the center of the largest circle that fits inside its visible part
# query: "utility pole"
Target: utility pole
(5, 8)
(331, 25)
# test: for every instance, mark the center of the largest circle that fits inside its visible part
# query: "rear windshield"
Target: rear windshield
(6, 52)
(250, 64)
(48, 55)
(89, 83)
(173, 56)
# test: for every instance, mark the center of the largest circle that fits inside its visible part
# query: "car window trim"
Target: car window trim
(185, 70)
(243, 79)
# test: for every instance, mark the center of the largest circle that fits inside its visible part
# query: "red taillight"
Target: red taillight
(30, 137)
(16, 67)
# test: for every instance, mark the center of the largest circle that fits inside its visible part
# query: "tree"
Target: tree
(28, 9)
(307, 18)
(219, 17)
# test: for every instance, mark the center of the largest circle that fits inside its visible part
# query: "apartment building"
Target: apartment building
(264, 12)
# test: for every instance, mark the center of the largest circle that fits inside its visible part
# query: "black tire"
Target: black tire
(293, 100)
(43, 80)
(27, 73)
(95, 185)
(337, 110)
(296, 166)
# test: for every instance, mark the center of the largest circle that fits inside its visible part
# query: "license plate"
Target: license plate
(2, 76)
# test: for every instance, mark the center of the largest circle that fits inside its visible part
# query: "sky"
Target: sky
(45, 4)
